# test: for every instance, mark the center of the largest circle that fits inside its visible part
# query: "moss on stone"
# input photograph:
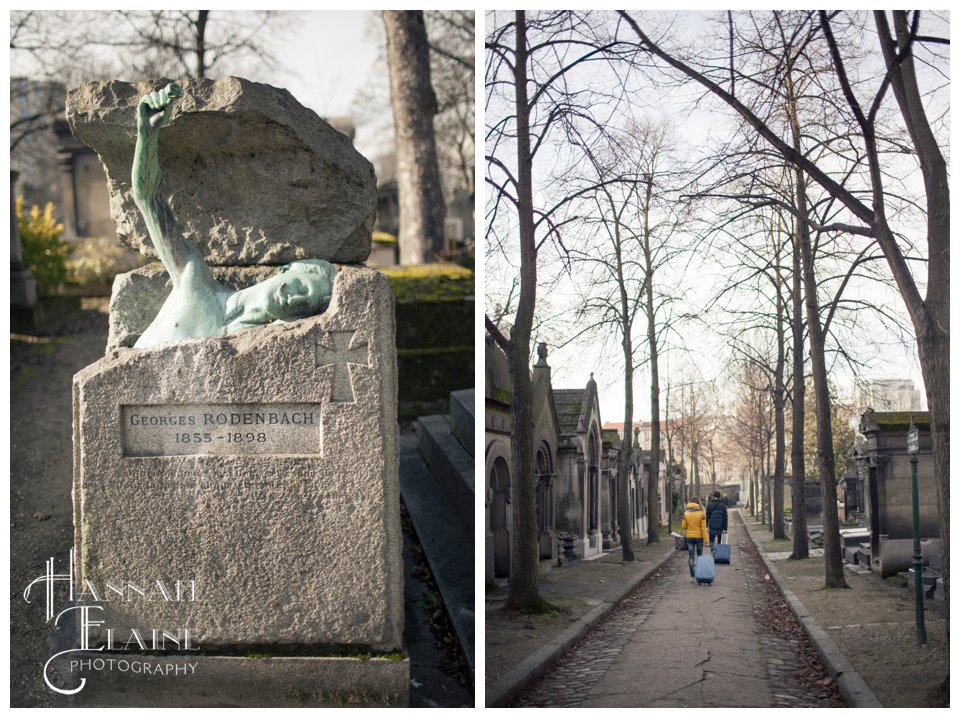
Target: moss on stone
(441, 282)
(900, 420)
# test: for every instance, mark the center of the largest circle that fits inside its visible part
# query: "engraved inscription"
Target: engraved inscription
(221, 429)
(338, 349)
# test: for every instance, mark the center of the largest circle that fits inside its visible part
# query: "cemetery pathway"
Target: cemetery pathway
(674, 643)
(41, 475)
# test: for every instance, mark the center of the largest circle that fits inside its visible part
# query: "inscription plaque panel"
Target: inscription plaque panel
(221, 429)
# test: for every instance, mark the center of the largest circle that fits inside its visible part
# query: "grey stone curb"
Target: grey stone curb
(521, 676)
(852, 687)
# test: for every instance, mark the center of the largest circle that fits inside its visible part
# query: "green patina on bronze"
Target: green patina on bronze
(198, 306)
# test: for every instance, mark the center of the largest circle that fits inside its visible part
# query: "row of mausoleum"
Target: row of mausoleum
(575, 470)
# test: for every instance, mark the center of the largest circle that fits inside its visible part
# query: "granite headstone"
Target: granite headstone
(240, 493)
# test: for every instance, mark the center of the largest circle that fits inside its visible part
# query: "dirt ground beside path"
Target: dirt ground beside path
(41, 471)
(872, 624)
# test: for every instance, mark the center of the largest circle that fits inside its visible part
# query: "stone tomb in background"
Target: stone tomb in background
(883, 460)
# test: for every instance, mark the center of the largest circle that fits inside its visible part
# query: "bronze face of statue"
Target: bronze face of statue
(198, 306)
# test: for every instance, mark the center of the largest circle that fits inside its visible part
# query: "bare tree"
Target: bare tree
(451, 36)
(658, 243)
(612, 298)
(641, 217)
(422, 208)
(531, 81)
(752, 421)
(192, 43)
(930, 314)
(58, 44)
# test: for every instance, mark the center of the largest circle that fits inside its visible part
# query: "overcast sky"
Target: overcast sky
(326, 58)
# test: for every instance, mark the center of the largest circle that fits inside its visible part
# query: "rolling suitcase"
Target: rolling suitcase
(721, 553)
(704, 570)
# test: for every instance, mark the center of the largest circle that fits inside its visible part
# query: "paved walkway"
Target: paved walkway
(674, 643)
(864, 636)
(519, 646)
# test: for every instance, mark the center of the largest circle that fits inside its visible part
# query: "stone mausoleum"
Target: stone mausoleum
(575, 469)
(884, 465)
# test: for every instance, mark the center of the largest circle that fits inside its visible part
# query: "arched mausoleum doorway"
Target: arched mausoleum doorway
(499, 517)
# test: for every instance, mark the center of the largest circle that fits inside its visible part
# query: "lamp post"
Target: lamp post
(670, 500)
(913, 446)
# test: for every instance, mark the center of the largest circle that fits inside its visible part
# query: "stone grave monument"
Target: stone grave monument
(236, 496)
(884, 461)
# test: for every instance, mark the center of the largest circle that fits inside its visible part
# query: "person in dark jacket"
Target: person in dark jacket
(716, 519)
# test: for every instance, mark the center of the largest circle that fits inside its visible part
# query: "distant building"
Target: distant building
(85, 205)
(33, 146)
(886, 395)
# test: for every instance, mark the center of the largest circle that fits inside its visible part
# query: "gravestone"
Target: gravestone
(813, 501)
(245, 485)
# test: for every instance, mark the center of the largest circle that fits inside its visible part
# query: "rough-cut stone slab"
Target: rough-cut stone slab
(252, 176)
(285, 549)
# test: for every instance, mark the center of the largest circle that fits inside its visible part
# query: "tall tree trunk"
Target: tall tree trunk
(935, 364)
(524, 551)
(668, 427)
(422, 209)
(833, 557)
(624, 510)
(200, 31)
(653, 516)
(696, 470)
(768, 502)
(832, 550)
(763, 441)
(801, 544)
(779, 392)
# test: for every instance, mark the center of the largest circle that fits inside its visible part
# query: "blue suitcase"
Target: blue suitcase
(721, 553)
(704, 570)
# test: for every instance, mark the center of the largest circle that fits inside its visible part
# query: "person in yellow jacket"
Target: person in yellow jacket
(694, 527)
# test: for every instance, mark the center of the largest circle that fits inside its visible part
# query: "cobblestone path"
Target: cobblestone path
(674, 643)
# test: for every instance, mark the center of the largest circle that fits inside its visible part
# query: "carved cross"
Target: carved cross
(337, 348)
